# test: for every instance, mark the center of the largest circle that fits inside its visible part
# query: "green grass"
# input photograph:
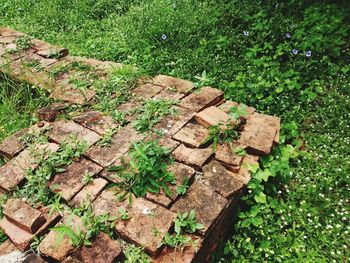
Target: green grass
(301, 213)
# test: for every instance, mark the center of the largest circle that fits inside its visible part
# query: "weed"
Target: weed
(123, 214)
(107, 138)
(222, 133)
(182, 188)
(87, 178)
(134, 254)
(23, 42)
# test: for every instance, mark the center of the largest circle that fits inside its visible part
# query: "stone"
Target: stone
(189, 156)
(69, 131)
(102, 250)
(171, 124)
(96, 121)
(168, 82)
(14, 171)
(145, 218)
(192, 134)
(49, 246)
(181, 172)
(23, 215)
(121, 142)
(17, 235)
(221, 180)
(50, 112)
(12, 145)
(213, 116)
(205, 97)
(258, 135)
(70, 93)
(227, 106)
(89, 192)
(227, 154)
(70, 182)
(146, 91)
(207, 204)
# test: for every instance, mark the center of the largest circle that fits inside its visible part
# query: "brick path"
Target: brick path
(218, 178)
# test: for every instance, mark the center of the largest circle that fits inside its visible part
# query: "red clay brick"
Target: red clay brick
(70, 93)
(244, 174)
(96, 121)
(226, 153)
(89, 192)
(221, 180)
(102, 250)
(130, 108)
(6, 248)
(180, 171)
(18, 236)
(192, 135)
(213, 116)
(207, 204)
(23, 215)
(258, 134)
(146, 91)
(66, 131)
(59, 251)
(170, 125)
(15, 170)
(12, 145)
(196, 157)
(205, 97)
(168, 143)
(179, 85)
(121, 142)
(70, 182)
(50, 112)
(169, 94)
(227, 105)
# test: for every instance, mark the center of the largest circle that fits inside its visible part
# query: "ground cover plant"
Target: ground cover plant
(289, 58)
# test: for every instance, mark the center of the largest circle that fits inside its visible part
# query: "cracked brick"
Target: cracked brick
(192, 134)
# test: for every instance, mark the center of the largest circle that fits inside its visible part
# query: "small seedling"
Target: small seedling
(182, 188)
(123, 214)
(134, 254)
(23, 42)
(87, 178)
(218, 134)
(238, 112)
(240, 151)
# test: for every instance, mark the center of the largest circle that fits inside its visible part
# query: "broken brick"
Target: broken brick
(227, 154)
(96, 121)
(201, 99)
(69, 131)
(196, 157)
(207, 204)
(179, 85)
(221, 180)
(213, 116)
(18, 236)
(50, 112)
(102, 250)
(89, 192)
(227, 106)
(170, 125)
(70, 182)
(6, 248)
(121, 142)
(12, 145)
(23, 215)
(192, 135)
(258, 135)
(69, 93)
(14, 171)
(146, 91)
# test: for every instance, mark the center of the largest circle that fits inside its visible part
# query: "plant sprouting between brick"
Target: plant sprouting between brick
(146, 172)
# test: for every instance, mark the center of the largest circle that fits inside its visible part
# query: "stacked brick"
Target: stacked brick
(217, 177)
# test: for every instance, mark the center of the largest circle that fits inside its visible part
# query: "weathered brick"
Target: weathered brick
(27, 61)
(183, 255)
(258, 135)
(227, 106)
(113, 176)
(121, 142)
(23, 215)
(144, 219)
(70, 93)
(102, 250)
(180, 171)
(205, 97)
(96, 121)
(146, 91)
(50, 112)
(207, 204)
(196, 157)
(221, 180)
(89, 192)
(15, 170)
(226, 153)
(213, 116)
(6, 248)
(18, 236)
(59, 251)
(12, 145)
(70, 182)
(192, 135)
(129, 108)
(47, 51)
(71, 260)
(33, 258)
(69, 131)
(244, 174)
(168, 82)
(169, 94)
(170, 125)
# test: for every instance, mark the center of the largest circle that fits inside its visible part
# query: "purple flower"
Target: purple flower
(164, 37)
(288, 35)
(308, 53)
(295, 51)
(246, 33)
